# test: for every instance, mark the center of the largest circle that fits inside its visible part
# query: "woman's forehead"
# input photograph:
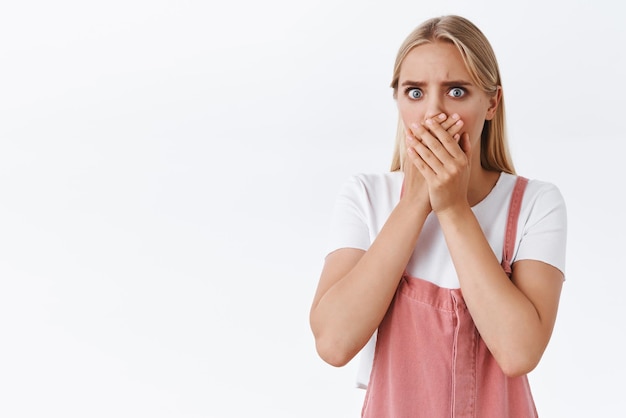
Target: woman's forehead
(434, 61)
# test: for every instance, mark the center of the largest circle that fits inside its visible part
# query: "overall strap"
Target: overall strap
(511, 225)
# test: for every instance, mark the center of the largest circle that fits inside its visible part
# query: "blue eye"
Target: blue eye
(457, 92)
(414, 93)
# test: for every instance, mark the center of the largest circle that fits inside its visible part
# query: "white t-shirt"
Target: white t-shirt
(366, 201)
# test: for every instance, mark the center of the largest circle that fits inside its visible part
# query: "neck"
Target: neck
(480, 185)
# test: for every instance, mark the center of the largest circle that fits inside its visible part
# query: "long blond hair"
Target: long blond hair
(481, 63)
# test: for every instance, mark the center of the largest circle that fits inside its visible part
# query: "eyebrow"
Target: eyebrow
(450, 83)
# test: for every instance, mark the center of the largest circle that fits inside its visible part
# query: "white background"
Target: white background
(167, 171)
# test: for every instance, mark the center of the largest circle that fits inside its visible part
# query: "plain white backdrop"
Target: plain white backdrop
(167, 171)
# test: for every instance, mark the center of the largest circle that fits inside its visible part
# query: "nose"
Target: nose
(434, 107)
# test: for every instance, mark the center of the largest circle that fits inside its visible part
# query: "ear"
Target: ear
(494, 101)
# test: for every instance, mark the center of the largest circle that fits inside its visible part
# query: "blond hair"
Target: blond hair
(480, 61)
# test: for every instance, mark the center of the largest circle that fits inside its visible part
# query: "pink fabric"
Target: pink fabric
(511, 226)
(430, 360)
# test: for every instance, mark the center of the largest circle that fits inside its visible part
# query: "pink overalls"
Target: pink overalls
(430, 360)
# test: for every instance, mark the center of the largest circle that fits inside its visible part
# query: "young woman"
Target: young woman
(450, 265)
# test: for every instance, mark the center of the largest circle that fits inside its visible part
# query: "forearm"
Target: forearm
(346, 315)
(505, 317)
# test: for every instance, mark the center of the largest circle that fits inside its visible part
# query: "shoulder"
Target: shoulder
(536, 190)
(374, 184)
(541, 201)
(543, 207)
(362, 206)
(543, 224)
(542, 194)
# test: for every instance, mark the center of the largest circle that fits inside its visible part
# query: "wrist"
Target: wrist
(454, 213)
(415, 206)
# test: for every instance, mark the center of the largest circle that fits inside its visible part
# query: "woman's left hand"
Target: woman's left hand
(443, 157)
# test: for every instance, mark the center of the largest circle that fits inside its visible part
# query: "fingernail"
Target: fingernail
(455, 116)
(441, 116)
(429, 122)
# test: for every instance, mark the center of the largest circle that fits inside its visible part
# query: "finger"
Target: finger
(412, 141)
(420, 152)
(425, 136)
(465, 144)
(446, 139)
(455, 127)
(418, 163)
(444, 120)
(434, 137)
(410, 134)
(442, 144)
(447, 121)
(451, 123)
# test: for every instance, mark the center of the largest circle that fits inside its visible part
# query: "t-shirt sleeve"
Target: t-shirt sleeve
(348, 226)
(544, 234)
